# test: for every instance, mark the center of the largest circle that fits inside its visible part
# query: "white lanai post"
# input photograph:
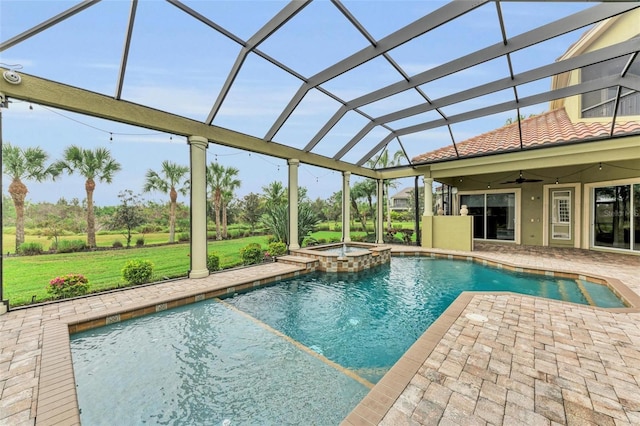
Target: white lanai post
(428, 196)
(293, 204)
(198, 152)
(346, 207)
(380, 212)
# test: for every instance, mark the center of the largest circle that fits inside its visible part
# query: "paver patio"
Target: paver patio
(533, 360)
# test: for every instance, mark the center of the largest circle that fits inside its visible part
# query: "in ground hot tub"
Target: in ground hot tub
(349, 257)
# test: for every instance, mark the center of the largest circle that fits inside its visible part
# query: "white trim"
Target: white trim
(577, 202)
(587, 208)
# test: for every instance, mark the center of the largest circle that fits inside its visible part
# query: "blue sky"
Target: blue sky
(178, 65)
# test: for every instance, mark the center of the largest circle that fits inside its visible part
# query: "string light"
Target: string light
(600, 166)
(30, 106)
(557, 182)
(110, 136)
(489, 185)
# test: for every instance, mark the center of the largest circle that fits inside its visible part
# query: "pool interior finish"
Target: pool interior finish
(300, 352)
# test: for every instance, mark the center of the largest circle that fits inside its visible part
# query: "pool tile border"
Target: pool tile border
(377, 403)
(57, 401)
(628, 296)
(57, 398)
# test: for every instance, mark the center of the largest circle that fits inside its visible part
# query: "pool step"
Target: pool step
(307, 262)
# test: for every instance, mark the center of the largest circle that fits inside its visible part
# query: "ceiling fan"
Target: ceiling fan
(521, 179)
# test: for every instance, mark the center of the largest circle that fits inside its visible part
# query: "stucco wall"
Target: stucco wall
(447, 232)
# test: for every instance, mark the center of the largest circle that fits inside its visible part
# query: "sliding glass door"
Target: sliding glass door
(617, 217)
(494, 215)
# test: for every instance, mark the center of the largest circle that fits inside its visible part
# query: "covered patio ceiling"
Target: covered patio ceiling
(330, 83)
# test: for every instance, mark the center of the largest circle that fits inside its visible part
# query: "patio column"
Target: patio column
(293, 204)
(198, 152)
(428, 196)
(380, 212)
(346, 207)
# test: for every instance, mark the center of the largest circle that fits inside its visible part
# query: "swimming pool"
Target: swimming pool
(216, 361)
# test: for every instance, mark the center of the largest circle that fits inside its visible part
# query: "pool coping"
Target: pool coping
(57, 400)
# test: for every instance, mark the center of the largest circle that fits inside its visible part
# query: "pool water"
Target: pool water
(218, 361)
(344, 249)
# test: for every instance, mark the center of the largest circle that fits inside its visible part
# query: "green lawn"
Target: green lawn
(9, 240)
(27, 276)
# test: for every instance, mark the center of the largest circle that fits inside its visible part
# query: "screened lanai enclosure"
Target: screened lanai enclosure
(340, 86)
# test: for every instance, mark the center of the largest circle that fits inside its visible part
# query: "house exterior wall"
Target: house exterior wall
(617, 30)
(532, 208)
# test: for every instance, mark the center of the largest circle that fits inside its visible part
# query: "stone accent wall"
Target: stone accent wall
(349, 262)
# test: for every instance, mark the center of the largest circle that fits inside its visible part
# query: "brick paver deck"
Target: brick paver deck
(532, 360)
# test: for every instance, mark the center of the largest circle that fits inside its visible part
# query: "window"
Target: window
(602, 102)
(561, 215)
(494, 215)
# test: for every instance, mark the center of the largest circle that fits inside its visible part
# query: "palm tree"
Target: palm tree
(274, 194)
(230, 184)
(27, 164)
(92, 165)
(172, 176)
(363, 190)
(219, 180)
(381, 162)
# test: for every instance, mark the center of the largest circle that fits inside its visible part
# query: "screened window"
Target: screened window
(602, 102)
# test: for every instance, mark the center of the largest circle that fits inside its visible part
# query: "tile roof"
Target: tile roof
(404, 193)
(548, 129)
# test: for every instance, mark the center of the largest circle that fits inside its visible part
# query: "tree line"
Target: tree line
(97, 165)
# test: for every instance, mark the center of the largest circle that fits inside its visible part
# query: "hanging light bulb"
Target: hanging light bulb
(489, 185)
(557, 182)
(110, 136)
(30, 106)
(600, 166)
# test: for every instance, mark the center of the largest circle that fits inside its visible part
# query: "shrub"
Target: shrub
(184, 236)
(140, 242)
(277, 248)
(213, 262)
(337, 227)
(70, 285)
(233, 233)
(70, 246)
(310, 242)
(324, 226)
(148, 229)
(30, 249)
(116, 244)
(137, 271)
(211, 235)
(251, 254)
